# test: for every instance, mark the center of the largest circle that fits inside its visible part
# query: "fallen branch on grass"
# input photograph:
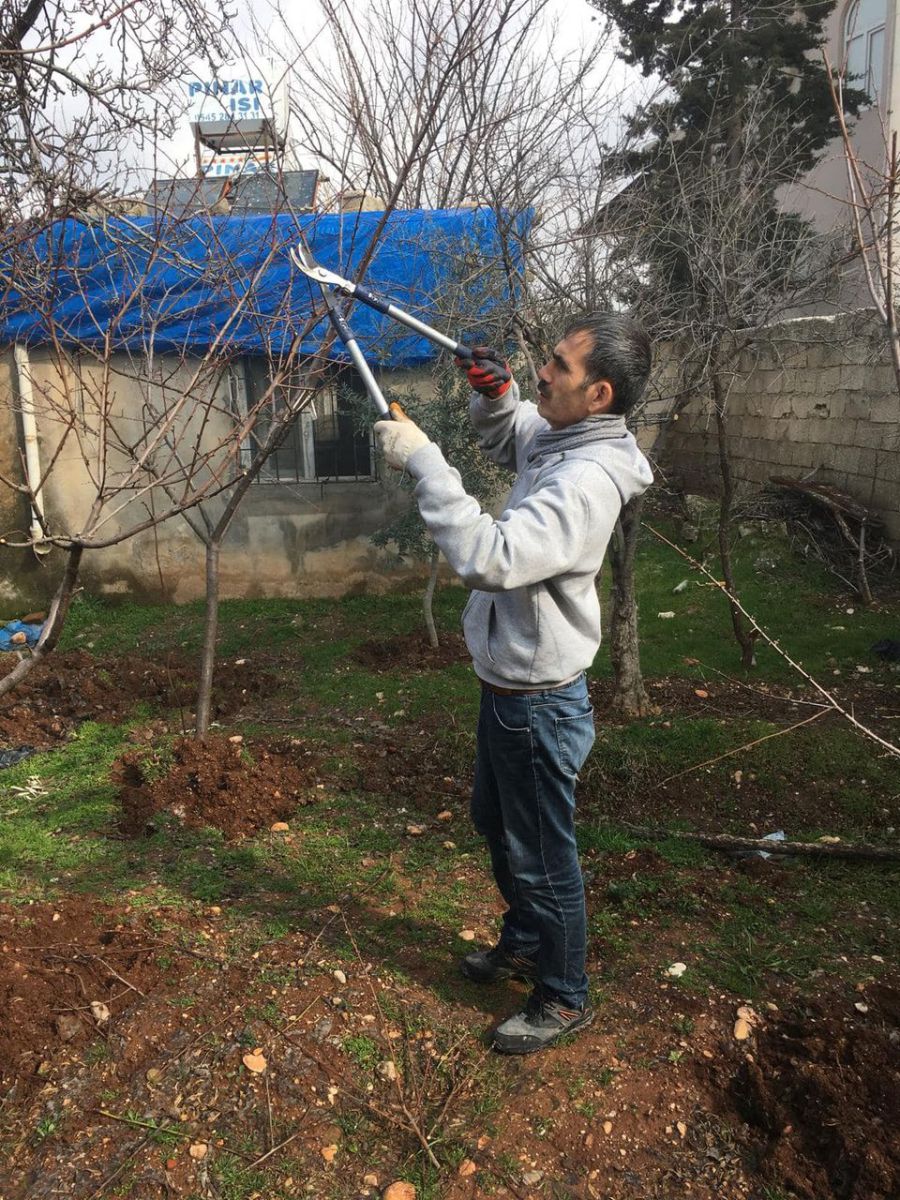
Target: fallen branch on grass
(723, 841)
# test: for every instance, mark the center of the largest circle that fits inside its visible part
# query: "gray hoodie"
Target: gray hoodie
(533, 620)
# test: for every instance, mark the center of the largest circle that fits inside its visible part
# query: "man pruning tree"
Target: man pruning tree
(532, 626)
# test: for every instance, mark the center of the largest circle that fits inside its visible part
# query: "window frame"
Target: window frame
(870, 78)
(307, 467)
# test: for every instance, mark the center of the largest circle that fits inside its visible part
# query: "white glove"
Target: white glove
(398, 439)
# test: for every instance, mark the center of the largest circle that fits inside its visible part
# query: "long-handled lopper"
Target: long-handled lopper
(304, 261)
(301, 257)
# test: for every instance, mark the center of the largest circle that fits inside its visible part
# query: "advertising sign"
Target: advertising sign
(242, 106)
(222, 165)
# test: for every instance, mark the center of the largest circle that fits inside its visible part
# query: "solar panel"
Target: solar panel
(292, 191)
(179, 197)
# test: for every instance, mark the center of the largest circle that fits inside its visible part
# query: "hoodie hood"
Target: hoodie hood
(604, 440)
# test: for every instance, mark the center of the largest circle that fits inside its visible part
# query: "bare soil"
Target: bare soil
(657, 1099)
(72, 686)
(236, 786)
(56, 959)
(411, 650)
(821, 1095)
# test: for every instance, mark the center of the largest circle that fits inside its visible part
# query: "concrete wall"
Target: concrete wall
(816, 393)
(288, 539)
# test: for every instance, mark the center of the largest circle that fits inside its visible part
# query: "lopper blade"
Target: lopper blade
(304, 261)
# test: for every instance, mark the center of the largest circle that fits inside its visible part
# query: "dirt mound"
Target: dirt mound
(233, 785)
(410, 763)
(824, 1088)
(58, 958)
(74, 686)
(411, 650)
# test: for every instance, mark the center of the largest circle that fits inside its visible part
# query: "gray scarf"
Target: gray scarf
(592, 429)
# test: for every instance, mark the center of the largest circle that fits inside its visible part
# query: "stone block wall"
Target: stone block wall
(814, 394)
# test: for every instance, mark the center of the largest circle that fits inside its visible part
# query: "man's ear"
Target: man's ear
(600, 397)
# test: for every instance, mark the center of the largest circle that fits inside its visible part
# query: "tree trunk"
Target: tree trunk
(59, 610)
(210, 630)
(745, 638)
(428, 598)
(629, 695)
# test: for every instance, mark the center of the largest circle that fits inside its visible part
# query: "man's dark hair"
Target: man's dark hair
(621, 353)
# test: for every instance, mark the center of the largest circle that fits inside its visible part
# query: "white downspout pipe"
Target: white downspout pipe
(32, 456)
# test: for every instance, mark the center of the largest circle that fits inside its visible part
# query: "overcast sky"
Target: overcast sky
(577, 24)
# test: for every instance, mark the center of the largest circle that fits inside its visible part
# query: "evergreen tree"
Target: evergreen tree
(713, 54)
(745, 111)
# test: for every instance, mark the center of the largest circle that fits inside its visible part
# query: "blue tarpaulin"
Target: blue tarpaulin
(32, 633)
(179, 286)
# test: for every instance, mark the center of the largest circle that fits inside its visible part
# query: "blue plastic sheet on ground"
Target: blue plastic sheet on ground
(32, 633)
(9, 758)
(174, 286)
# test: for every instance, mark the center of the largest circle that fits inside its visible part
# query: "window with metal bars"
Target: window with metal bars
(323, 442)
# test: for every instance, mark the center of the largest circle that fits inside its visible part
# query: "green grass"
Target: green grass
(828, 919)
(58, 809)
(797, 603)
(363, 1050)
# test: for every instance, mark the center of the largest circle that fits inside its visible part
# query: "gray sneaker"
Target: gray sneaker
(496, 964)
(543, 1022)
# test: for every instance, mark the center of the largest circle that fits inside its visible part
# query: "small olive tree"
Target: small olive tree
(444, 416)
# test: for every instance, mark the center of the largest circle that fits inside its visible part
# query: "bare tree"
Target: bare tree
(130, 436)
(83, 90)
(445, 103)
(714, 262)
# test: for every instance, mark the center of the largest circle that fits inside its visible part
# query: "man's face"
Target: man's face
(564, 395)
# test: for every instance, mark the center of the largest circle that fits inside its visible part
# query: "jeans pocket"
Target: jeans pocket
(574, 738)
(511, 713)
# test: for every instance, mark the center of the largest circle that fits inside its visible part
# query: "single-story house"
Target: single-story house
(132, 350)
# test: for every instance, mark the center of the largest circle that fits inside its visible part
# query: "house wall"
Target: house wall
(287, 539)
(815, 394)
(823, 196)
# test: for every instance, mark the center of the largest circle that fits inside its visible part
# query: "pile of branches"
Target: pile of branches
(830, 525)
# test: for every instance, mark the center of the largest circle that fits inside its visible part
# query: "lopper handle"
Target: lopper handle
(358, 292)
(496, 368)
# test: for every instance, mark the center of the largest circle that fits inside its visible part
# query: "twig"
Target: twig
(747, 746)
(760, 692)
(413, 1123)
(269, 1113)
(281, 1145)
(185, 950)
(832, 700)
(161, 1129)
(120, 978)
(133, 1121)
(119, 1169)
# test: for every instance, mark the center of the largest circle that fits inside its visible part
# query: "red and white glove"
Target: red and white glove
(487, 374)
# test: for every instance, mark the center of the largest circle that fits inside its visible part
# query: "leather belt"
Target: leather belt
(502, 691)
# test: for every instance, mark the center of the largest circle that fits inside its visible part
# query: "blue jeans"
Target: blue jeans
(530, 749)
